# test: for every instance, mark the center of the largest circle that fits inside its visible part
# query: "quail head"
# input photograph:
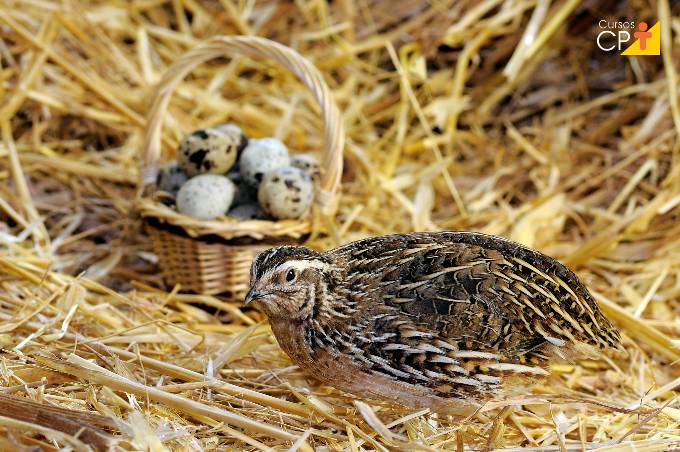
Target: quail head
(443, 320)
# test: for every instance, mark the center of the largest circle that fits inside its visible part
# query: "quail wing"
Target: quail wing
(466, 312)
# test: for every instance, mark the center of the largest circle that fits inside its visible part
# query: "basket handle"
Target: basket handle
(253, 46)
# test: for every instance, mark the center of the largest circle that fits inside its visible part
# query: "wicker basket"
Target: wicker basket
(214, 257)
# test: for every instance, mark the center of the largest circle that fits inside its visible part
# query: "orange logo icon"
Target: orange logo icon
(647, 42)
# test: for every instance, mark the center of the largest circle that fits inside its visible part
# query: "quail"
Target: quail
(439, 320)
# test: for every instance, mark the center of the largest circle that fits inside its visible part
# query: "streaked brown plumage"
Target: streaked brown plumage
(442, 320)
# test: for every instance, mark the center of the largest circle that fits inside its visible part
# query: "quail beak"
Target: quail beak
(252, 295)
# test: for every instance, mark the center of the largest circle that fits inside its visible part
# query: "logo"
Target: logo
(615, 36)
(647, 43)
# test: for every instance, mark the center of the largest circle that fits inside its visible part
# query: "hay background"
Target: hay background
(563, 147)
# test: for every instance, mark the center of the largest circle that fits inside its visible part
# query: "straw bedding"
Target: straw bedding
(496, 116)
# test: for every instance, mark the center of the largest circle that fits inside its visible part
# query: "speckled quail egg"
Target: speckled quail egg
(260, 157)
(286, 193)
(170, 178)
(307, 163)
(251, 211)
(205, 197)
(230, 128)
(233, 129)
(210, 151)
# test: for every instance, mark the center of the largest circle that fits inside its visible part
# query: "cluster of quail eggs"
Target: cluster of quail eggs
(219, 171)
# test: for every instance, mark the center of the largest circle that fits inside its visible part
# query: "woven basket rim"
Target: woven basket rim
(225, 227)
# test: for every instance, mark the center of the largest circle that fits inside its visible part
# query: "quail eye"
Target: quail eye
(290, 275)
